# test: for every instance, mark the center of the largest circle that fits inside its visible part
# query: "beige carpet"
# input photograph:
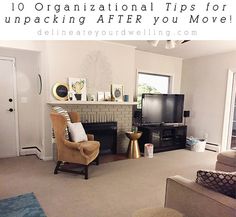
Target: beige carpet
(115, 189)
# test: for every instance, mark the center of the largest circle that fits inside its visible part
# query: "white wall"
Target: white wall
(101, 63)
(204, 82)
(160, 64)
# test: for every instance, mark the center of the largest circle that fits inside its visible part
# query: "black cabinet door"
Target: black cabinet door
(163, 138)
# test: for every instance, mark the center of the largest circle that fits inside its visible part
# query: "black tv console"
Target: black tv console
(163, 137)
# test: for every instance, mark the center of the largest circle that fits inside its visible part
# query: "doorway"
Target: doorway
(9, 139)
(232, 123)
(229, 125)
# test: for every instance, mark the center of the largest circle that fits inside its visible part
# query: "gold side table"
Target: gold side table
(133, 149)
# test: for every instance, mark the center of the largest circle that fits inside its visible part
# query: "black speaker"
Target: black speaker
(186, 114)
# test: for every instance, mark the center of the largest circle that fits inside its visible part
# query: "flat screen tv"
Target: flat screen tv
(162, 108)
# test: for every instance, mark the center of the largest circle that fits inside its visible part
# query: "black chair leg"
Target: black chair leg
(97, 160)
(86, 172)
(57, 167)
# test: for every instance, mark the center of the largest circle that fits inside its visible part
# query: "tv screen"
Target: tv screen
(159, 108)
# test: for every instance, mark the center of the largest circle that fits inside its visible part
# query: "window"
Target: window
(151, 83)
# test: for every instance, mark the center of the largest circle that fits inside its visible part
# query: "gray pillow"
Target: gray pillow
(222, 182)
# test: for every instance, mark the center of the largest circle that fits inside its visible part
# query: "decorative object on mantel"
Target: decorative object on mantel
(93, 98)
(60, 91)
(78, 96)
(117, 92)
(90, 97)
(77, 86)
(101, 96)
(70, 96)
(107, 96)
(126, 98)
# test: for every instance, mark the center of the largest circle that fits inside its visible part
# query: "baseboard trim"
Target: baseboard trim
(33, 150)
(47, 158)
(32, 147)
(212, 147)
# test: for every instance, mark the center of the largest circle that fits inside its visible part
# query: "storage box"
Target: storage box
(199, 146)
(148, 150)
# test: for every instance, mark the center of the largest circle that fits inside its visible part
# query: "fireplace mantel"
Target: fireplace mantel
(90, 103)
(103, 111)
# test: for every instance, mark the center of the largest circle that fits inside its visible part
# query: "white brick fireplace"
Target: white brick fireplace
(104, 112)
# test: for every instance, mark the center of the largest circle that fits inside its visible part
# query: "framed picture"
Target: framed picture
(100, 96)
(107, 96)
(77, 88)
(60, 91)
(117, 92)
(93, 98)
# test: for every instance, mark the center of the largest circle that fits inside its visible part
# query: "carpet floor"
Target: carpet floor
(114, 189)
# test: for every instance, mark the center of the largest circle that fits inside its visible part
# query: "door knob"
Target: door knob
(10, 109)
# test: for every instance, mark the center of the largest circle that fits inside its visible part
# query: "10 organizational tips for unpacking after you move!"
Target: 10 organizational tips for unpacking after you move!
(111, 13)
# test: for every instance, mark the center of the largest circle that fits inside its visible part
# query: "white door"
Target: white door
(8, 121)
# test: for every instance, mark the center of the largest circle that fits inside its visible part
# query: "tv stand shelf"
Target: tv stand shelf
(163, 137)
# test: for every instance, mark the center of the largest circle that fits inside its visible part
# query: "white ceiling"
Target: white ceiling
(187, 50)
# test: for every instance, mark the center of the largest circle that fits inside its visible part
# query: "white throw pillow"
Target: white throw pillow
(77, 132)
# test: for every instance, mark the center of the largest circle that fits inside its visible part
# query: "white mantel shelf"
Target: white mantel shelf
(90, 103)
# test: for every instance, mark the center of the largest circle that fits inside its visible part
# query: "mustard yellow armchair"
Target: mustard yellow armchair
(82, 153)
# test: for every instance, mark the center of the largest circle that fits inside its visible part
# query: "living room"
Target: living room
(197, 69)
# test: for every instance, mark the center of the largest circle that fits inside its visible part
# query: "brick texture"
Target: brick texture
(122, 114)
